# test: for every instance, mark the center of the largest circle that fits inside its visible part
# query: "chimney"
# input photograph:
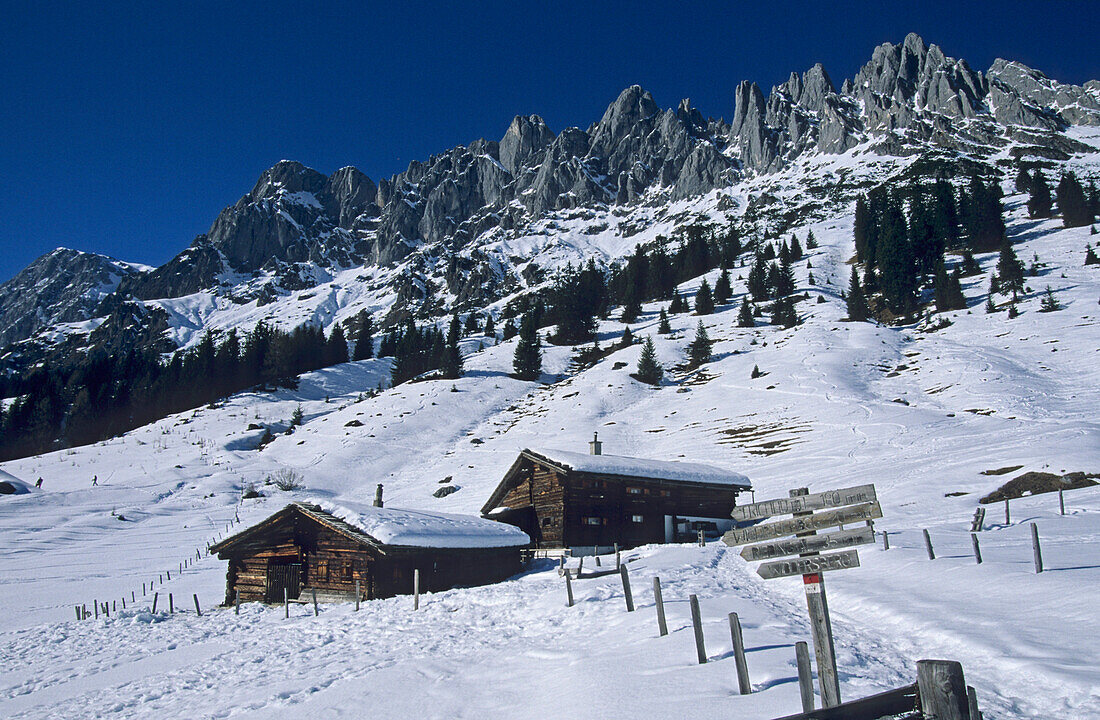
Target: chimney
(595, 447)
(378, 496)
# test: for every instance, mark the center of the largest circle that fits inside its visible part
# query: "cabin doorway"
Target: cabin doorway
(283, 575)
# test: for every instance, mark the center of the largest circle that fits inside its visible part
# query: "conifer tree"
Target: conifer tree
(631, 310)
(744, 315)
(897, 266)
(472, 324)
(451, 363)
(1090, 256)
(758, 279)
(811, 241)
(336, 349)
(627, 338)
(723, 289)
(990, 308)
(663, 326)
(1049, 303)
(1039, 203)
(649, 369)
(783, 282)
(857, 303)
(704, 300)
(700, 348)
(863, 232)
(490, 326)
(1023, 181)
(1072, 202)
(955, 298)
(297, 417)
(783, 313)
(796, 249)
(678, 305)
(527, 361)
(364, 337)
(969, 264)
(1010, 270)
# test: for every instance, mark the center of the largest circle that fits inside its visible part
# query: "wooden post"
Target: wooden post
(198, 610)
(143, 588)
(286, 603)
(1061, 502)
(743, 683)
(662, 626)
(702, 539)
(1008, 517)
(697, 623)
(155, 602)
(77, 608)
(133, 596)
(972, 703)
(580, 566)
(123, 602)
(928, 545)
(316, 612)
(618, 559)
(597, 561)
(169, 574)
(197, 556)
(357, 595)
(942, 690)
(626, 589)
(237, 603)
(885, 540)
(805, 676)
(416, 589)
(114, 605)
(171, 604)
(1035, 547)
(977, 550)
(821, 626)
(568, 590)
(95, 606)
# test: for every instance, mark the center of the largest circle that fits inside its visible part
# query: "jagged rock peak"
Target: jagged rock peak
(632, 106)
(526, 136)
(289, 176)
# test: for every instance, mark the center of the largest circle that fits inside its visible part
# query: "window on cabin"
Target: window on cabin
(637, 518)
(348, 571)
(634, 490)
(547, 521)
(591, 521)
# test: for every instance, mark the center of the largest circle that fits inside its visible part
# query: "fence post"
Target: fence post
(885, 540)
(133, 596)
(805, 676)
(77, 608)
(626, 588)
(169, 574)
(286, 603)
(1036, 548)
(237, 603)
(123, 602)
(568, 590)
(315, 611)
(697, 623)
(1008, 517)
(416, 588)
(928, 545)
(972, 703)
(702, 539)
(942, 690)
(739, 655)
(198, 610)
(618, 559)
(155, 595)
(662, 626)
(171, 604)
(95, 606)
(1061, 502)
(143, 588)
(977, 550)
(580, 566)
(357, 595)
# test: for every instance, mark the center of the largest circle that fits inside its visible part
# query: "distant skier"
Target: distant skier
(95, 480)
(39, 483)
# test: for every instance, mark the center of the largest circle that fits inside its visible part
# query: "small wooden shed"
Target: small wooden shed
(568, 499)
(309, 547)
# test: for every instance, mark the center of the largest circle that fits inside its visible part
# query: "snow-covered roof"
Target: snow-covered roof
(414, 528)
(641, 467)
(17, 486)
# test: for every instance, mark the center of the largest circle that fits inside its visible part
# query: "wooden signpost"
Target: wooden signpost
(810, 513)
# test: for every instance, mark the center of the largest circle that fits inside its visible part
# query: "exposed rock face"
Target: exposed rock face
(297, 226)
(61, 286)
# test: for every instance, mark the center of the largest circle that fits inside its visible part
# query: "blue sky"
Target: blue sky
(126, 128)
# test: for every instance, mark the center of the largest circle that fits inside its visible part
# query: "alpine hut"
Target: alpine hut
(327, 548)
(569, 499)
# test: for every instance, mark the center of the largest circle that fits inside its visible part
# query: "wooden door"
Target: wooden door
(282, 574)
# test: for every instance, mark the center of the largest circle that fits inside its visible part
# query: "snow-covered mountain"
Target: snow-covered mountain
(477, 223)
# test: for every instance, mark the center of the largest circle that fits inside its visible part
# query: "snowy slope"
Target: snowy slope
(920, 413)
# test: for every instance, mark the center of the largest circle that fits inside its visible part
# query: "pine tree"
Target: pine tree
(490, 326)
(796, 249)
(756, 372)
(811, 241)
(758, 279)
(895, 260)
(744, 317)
(1023, 181)
(451, 363)
(297, 417)
(472, 324)
(649, 369)
(723, 289)
(509, 331)
(990, 308)
(704, 301)
(1075, 208)
(783, 313)
(527, 361)
(1010, 270)
(700, 348)
(663, 326)
(955, 298)
(865, 251)
(783, 282)
(1049, 303)
(336, 349)
(631, 310)
(970, 266)
(1039, 204)
(857, 303)
(1090, 256)
(364, 338)
(678, 305)
(627, 338)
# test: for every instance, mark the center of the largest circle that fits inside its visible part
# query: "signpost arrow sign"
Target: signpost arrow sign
(803, 503)
(808, 544)
(803, 523)
(810, 564)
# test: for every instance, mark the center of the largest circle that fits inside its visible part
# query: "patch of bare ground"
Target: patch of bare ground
(1037, 483)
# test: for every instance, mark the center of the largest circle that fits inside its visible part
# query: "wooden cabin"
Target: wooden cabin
(306, 547)
(568, 499)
